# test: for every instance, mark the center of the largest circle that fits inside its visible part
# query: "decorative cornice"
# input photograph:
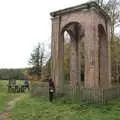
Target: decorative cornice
(88, 6)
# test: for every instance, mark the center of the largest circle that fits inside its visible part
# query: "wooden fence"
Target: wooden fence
(39, 88)
(93, 95)
(82, 95)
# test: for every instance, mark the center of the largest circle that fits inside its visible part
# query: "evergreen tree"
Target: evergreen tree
(37, 60)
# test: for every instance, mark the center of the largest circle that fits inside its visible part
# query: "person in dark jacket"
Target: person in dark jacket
(51, 90)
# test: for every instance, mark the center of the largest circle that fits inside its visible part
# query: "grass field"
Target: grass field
(4, 95)
(36, 108)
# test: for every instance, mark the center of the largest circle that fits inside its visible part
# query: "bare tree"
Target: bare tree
(112, 7)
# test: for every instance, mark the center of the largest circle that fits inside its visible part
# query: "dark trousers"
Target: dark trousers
(51, 95)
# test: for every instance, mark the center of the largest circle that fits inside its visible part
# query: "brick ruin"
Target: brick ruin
(88, 24)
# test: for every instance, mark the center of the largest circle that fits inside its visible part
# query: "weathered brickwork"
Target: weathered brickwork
(88, 23)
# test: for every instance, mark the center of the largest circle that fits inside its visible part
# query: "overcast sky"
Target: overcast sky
(24, 23)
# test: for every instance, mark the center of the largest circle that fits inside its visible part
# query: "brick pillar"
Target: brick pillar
(91, 55)
(57, 55)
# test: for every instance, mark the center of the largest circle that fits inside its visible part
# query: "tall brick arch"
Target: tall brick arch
(76, 32)
(88, 23)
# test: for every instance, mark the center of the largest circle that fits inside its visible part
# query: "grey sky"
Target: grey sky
(24, 23)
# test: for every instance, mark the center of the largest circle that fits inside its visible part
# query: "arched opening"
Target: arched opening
(73, 52)
(67, 50)
(82, 62)
(103, 56)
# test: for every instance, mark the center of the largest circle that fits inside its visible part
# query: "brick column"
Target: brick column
(57, 53)
(91, 54)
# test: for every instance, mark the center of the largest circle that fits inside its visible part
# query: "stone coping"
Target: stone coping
(88, 6)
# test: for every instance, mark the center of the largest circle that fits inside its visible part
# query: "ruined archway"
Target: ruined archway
(89, 29)
(67, 51)
(73, 52)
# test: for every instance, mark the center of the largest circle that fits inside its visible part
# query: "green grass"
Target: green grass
(36, 108)
(4, 95)
(19, 82)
